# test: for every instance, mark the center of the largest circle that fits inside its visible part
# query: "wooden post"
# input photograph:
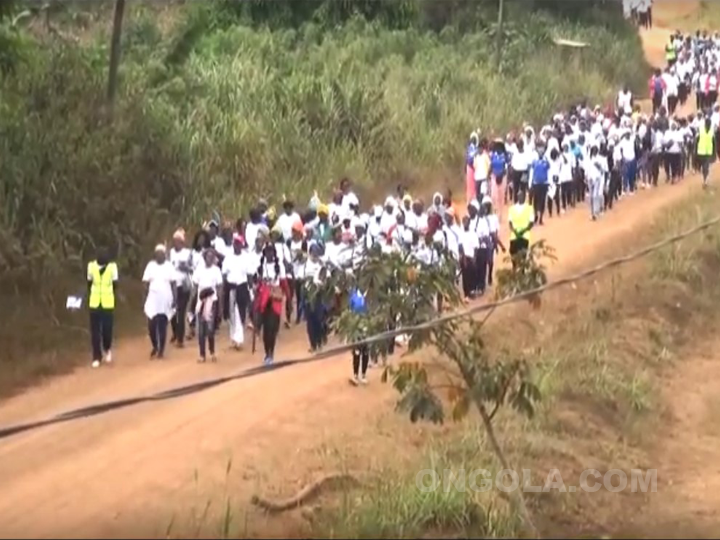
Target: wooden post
(115, 50)
(499, 34)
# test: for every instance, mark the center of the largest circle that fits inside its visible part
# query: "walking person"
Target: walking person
(102, 278)
(596, 177)
(272, 286)
(314, 304)
(494, 241)
(182, 260)
(360, 353)
(705, 149)
(469, 244)
(160, 281)
(209, 284)
(237, 271)
(539, 183)
(521, 221)
(498, 167)
(657, 90)
(519, 167)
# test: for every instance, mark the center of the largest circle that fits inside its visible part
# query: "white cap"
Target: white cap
(390, 201)
(161, 248)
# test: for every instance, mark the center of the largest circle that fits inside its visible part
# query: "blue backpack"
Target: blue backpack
(357, 302)
(658, 86)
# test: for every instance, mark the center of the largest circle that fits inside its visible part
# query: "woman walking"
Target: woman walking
(182, 260)
(209, 283)
(236, 270)
(272, 290)
(160, 294)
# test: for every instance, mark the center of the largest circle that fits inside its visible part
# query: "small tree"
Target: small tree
(399, 292)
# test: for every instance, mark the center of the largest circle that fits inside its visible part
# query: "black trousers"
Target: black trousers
(467, 269)
(540, 192)
(157, 330)
(361, 359)
(674, 165)
(178, 321)
(101, 331)
(556, 200)
(517, 247)
(672, 104)
(270, 329)
(481, 260)
(565, 189)
(242, 299)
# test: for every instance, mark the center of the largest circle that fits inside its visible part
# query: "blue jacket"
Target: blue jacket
(498, 160)
(540, 170)
(470, 155)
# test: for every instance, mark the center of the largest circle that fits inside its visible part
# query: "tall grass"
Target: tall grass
(210, 116)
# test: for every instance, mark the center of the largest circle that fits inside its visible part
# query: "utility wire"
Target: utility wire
(100, 408)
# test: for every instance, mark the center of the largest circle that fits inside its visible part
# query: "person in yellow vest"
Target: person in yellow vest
(521, 219)
(102, 277)
(705, 149)
(670, 52)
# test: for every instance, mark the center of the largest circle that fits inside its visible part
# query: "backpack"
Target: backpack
(357, 302)
(657, 86)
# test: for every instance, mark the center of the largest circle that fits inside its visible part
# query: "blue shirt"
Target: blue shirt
(540, 170)
(470, 155)
(497, 162)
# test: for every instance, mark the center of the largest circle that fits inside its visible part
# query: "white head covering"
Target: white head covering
(390, 201)
(161, 248)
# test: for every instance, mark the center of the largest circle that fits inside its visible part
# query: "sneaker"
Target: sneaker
(268, 360)
(354, 380)
(363, 380)
(153, 354)
(96, 363)
(108, 357)
(201, 360)
(213, 359)
(160, 355)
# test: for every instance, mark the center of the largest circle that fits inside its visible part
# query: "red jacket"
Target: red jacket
(263, 297)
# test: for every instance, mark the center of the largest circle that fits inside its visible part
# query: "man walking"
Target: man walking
(705, 150)
(521, 221)
(102, 277)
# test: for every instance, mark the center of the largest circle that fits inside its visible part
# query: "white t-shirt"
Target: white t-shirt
(348, 200)
(520, 161)
(627, 147)
(160, 279)
(452, 239)
(236, 268)
(285, 222)
(269, 273)
(220, 246)
(470, 242)
(673, 141)
(671, 84)
(207, 278)
(178, 258)
(625, 101)
(251, 233)
(299, 258)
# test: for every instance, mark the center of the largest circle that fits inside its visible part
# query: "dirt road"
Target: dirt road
(126, 473)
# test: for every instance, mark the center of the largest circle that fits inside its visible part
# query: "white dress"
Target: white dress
(160, 278)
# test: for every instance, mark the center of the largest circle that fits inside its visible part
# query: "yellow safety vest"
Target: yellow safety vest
(670, 52)
(705, 142)
(521, 216)
(102, 293)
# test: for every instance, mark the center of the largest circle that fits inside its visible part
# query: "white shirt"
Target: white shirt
(285, 222)
(207, 277)
(627, 147)
(469, 242)
(418, 223)
(673, 141)
(625, 101)
(182, 257)
(566, 166)
(333, 253)
(220, 246)
(312, 270)
(251, 233)
(348, 200)
(160, 279)
(452, 239)
(299, 259)
(520, 161)
(671, 84)
(236, 268)
(269, 274)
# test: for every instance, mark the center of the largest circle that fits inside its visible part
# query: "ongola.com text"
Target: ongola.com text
(507, 480)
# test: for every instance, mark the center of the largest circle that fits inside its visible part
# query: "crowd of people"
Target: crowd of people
(255, 274)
